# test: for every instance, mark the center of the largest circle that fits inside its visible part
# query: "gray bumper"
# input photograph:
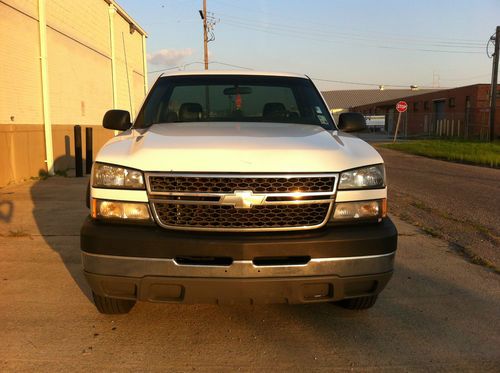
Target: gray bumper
(164, 280)
(141, 267)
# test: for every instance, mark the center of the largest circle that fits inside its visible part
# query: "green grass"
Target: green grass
(472, 152)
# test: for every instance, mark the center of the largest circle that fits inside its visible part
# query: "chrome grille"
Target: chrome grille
(228, 217)
(225, 202)
(262, 184)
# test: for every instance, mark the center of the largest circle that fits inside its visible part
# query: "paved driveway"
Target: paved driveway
(439, 312)
(459, 203)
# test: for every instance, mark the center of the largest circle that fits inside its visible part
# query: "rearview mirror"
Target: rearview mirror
(352, 122)
(118, 120)
(232, 91)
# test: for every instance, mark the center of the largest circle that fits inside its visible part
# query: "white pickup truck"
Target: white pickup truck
(236, 187)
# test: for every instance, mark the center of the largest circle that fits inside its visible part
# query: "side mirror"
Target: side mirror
(116, 120)
(352, 122)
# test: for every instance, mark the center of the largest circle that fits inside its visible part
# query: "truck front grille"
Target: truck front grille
(214, 184)
(228, 217)
(263, 202)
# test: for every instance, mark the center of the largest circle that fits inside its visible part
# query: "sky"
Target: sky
(341, 44)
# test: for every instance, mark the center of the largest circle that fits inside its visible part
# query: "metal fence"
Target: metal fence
(472, 124)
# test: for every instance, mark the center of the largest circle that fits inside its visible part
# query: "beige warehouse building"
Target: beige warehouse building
(63, 63)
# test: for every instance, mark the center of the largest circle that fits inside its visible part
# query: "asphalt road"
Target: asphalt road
(439, 312)
(459, 203)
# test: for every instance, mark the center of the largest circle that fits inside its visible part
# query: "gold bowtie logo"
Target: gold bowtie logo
(243, 199)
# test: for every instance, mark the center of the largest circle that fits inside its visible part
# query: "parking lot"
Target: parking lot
(439, 312)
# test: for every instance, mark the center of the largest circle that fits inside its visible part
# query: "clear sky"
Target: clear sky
(424, 42)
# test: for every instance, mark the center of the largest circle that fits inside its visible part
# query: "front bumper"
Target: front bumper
(134, 262)
(290, 290)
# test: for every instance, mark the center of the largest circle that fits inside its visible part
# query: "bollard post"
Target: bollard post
(78, 151)
(88, 150)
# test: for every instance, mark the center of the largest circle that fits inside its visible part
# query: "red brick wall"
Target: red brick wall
(420, 120)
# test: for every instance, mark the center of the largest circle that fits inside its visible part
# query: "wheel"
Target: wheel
(112, 306)
(361, 303)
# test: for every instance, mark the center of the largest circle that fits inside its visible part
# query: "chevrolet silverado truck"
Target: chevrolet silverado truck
(236, 187)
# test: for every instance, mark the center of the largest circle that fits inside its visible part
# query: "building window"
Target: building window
(415, 106)
(451, 102)
(426, 105)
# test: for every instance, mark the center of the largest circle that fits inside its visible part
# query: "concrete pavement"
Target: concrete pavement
(457, 202)
(439, 312)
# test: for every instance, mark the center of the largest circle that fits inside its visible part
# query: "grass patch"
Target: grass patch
(431, 232)
(421, 206)
(473, 258)
(471, 152)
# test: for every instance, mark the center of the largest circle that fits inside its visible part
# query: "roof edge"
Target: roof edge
(234, 72)
(126, 17)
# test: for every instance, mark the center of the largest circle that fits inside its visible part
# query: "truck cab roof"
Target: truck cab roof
(235, 72)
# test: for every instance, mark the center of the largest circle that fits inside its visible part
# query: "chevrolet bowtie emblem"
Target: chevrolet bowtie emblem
(243, 199)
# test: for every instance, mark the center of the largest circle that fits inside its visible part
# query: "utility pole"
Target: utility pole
(205, 34)
(494, 79)
(435, 79)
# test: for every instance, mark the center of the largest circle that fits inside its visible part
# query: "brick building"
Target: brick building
(63, 63)
(454, 112)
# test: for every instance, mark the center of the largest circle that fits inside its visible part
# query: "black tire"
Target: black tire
(112, 306)
(361, 303)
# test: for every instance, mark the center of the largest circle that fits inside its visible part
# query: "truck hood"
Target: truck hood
(237, 147)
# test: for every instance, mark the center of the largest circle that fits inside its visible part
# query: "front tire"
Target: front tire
(112, 306)
(361, 303)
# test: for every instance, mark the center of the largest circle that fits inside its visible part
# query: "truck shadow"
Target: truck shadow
(421, 319)
(59, 210)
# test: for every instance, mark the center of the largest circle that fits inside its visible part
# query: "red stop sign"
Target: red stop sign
(402, 106)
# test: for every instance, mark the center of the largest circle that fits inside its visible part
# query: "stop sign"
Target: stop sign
(402, 106)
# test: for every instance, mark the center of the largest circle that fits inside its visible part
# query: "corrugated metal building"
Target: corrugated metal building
(345, 100)
(63, 63)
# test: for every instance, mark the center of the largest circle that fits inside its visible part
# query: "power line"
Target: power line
(365, 84)
(285, 32)
(182, 67)
(231, 65)
(371, 32)
(301, 36)
(313, 78)
(166, 69)
(349, 36)
(467, 78)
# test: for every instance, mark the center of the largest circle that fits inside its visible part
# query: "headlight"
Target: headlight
(364, 177)
(109, 176)
(360, 210)
(120, 210)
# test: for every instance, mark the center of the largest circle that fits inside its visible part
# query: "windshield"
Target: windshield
(234, 98)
